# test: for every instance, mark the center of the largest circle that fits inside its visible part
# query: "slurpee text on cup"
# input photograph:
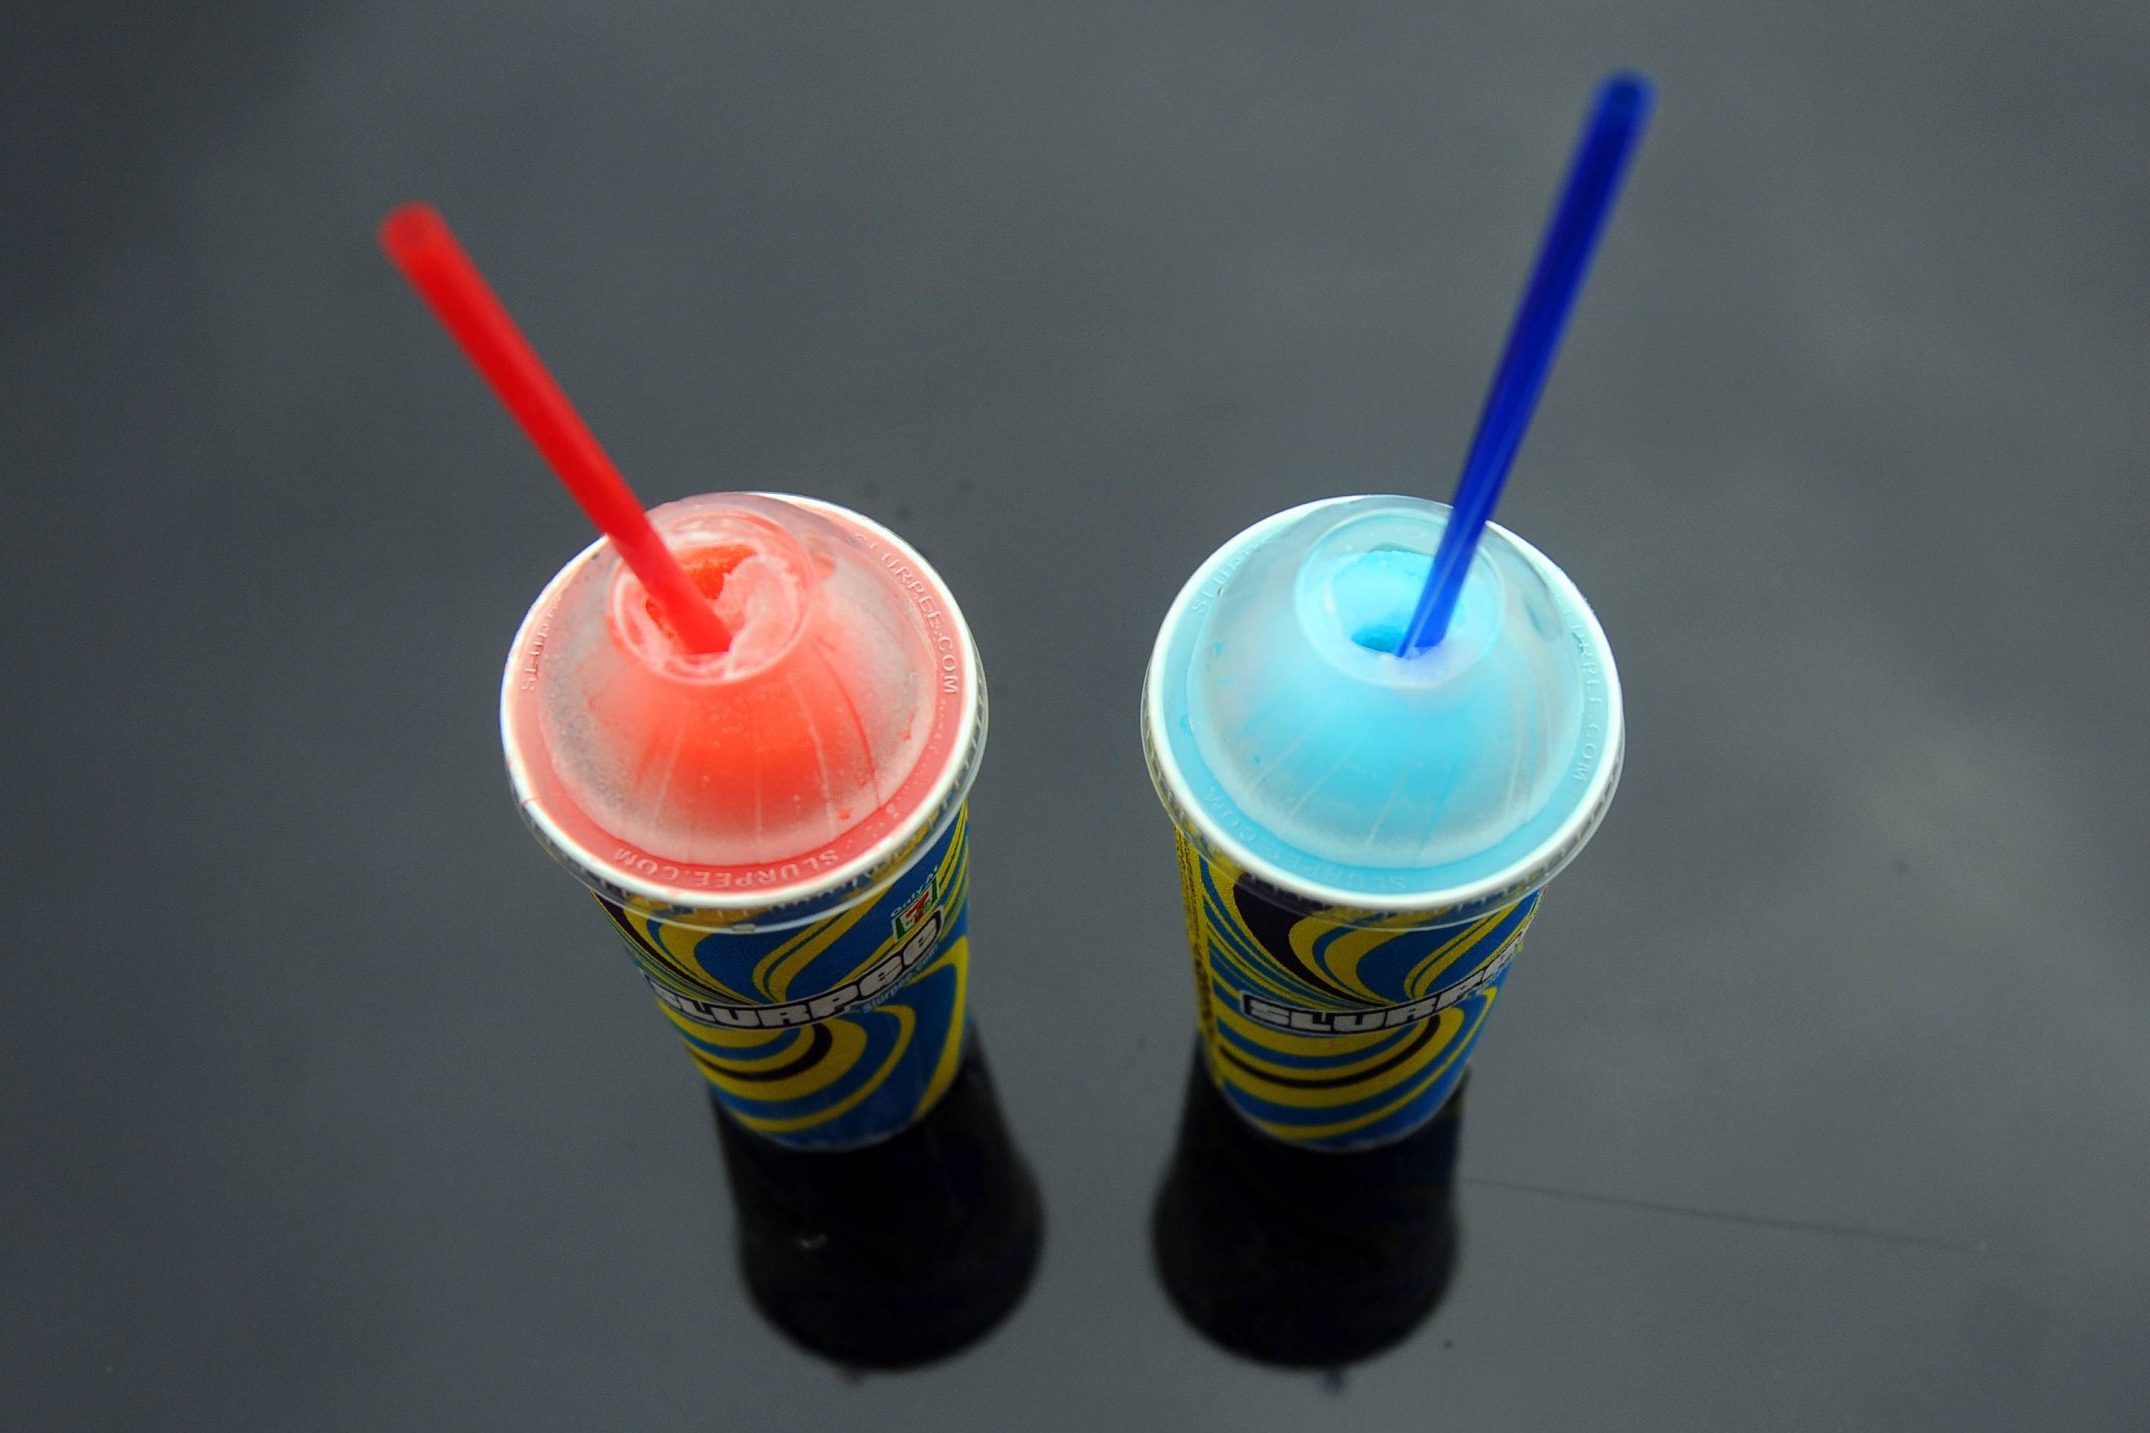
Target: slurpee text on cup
(1363, 836)
(776, 829)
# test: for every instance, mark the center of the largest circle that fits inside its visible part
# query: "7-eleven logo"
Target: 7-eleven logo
(914, 910)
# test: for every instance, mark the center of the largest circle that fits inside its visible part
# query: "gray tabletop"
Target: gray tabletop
(1819, 1098)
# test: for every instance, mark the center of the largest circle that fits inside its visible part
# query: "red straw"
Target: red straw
(423, 247)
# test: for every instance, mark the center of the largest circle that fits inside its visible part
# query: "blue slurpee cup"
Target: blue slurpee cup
(1363, 837)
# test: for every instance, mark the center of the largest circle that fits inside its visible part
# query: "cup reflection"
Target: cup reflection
(1298, 1257)
(897, 1254)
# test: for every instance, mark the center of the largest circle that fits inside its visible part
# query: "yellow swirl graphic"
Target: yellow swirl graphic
(1275, 977)
(1427, 973)
(944, 1070)
(1453, 1045)
(844, 1030)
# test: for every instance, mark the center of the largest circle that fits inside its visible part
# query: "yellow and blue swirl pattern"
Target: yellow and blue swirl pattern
(1331, 1028)
(832, 1034)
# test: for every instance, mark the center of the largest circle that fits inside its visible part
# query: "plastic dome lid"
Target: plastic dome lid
(1285, 727)
(844, 712)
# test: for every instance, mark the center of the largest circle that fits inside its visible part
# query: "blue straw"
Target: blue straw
(1601, 158)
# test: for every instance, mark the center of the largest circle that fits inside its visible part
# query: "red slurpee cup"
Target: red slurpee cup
(775, 828)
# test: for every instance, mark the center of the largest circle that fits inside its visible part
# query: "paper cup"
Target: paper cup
(821, 995)
(1339, 1003)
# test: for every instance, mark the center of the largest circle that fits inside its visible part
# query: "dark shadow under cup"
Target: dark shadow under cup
(897, 1254)
(1298, 1257)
